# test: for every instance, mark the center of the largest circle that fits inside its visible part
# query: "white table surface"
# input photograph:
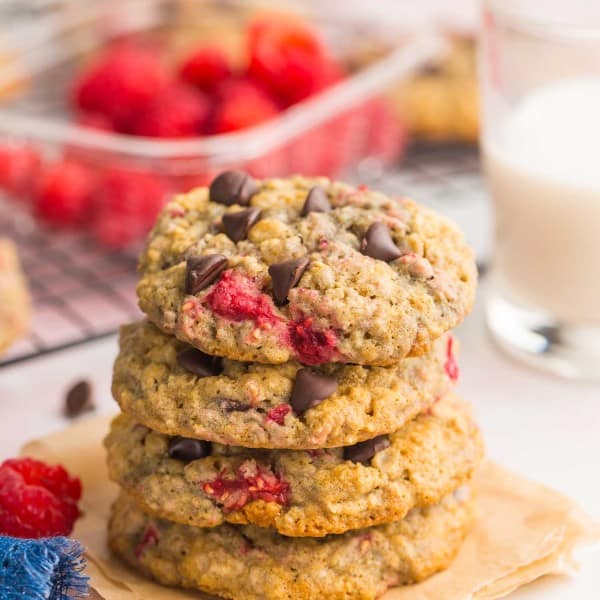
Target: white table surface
(544, 427)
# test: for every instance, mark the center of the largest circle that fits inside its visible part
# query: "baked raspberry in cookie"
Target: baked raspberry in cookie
(297, 492)
(176, 389)
(304, 269)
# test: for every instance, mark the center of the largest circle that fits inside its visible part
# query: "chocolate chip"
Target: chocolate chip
(285, 275)
(316, 201)
(198, 363)
(378, 243)
(237, 224)
(233, 187)
(310, 389)
(363, 452)
(188, 449)
(201, 271)
(78, 399)
(231, 405)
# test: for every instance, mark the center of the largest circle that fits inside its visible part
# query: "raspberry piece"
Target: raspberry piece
(176, 112)
(451, 366)
(150, 538)
(288, 57)
(37, 500)
(19, 166)
(250, 482)
(120, 83)
(312, 347)
(126, 206)
(206, 67)
(278, 413)
(243, 104)
(236, 297)
(64, 194)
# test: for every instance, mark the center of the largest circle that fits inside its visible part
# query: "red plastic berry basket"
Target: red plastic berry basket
(331, 133)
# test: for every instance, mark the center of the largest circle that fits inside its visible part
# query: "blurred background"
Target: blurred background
(108, 108)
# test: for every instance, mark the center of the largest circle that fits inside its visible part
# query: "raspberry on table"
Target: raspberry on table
(36, 499)
(120, 83)
(206, 67)
(19, 166)
(178, 111)
(64, 194)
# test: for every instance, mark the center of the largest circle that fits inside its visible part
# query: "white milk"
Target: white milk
(544, 174)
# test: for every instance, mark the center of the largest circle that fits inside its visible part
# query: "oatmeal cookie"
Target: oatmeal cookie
(304, 269)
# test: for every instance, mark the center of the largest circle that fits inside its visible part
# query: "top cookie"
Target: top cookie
(304, 269)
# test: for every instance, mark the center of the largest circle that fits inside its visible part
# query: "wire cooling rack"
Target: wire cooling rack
(80, 292)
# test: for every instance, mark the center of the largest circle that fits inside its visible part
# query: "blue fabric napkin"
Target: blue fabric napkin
(44, 569)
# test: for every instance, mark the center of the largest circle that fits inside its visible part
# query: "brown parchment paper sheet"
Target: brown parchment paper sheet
(523, 530)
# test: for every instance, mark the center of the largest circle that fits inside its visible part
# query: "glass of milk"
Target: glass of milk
(540, 80)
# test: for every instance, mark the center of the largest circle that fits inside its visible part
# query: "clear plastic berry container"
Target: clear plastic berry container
(348, 128)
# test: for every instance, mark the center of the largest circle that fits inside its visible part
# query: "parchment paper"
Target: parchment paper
(524, 530)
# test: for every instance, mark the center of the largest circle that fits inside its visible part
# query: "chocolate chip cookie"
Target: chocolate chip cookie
(251, 563)
(298, 493)
(304, 269)
(14, 296)
(175, 389)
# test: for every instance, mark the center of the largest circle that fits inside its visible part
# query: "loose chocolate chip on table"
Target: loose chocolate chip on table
(188, 449)
(201, 271)
(233, 187)
(198, 363)
(378, 243)
(316, 201)
(285, 275)
(310, 389)
(79, 399)
(237, 224)
(363, 452)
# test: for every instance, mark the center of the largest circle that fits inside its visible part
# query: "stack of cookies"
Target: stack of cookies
(289, 428)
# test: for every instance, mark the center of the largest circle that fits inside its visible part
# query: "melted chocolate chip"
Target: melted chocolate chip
(237, 224)
(316, 201)
(285, 275)
(78, 399)
(233, 187)
(198, 363)
(363, 452)
(230, 405)
(201, 271)
(378, 243)
(188, 449)
(310, 389)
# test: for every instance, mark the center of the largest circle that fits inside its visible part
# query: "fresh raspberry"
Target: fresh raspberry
(206, 67)
(96, 121)
(451, 366)
(236, 297)
(37, 500)
(243, 104)
(64, 194)
(288, 57)
(278, 413)
(126, 206)
(19, 166)
(178, 111)
(312, 347)
(120, 83)
(250, 482)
